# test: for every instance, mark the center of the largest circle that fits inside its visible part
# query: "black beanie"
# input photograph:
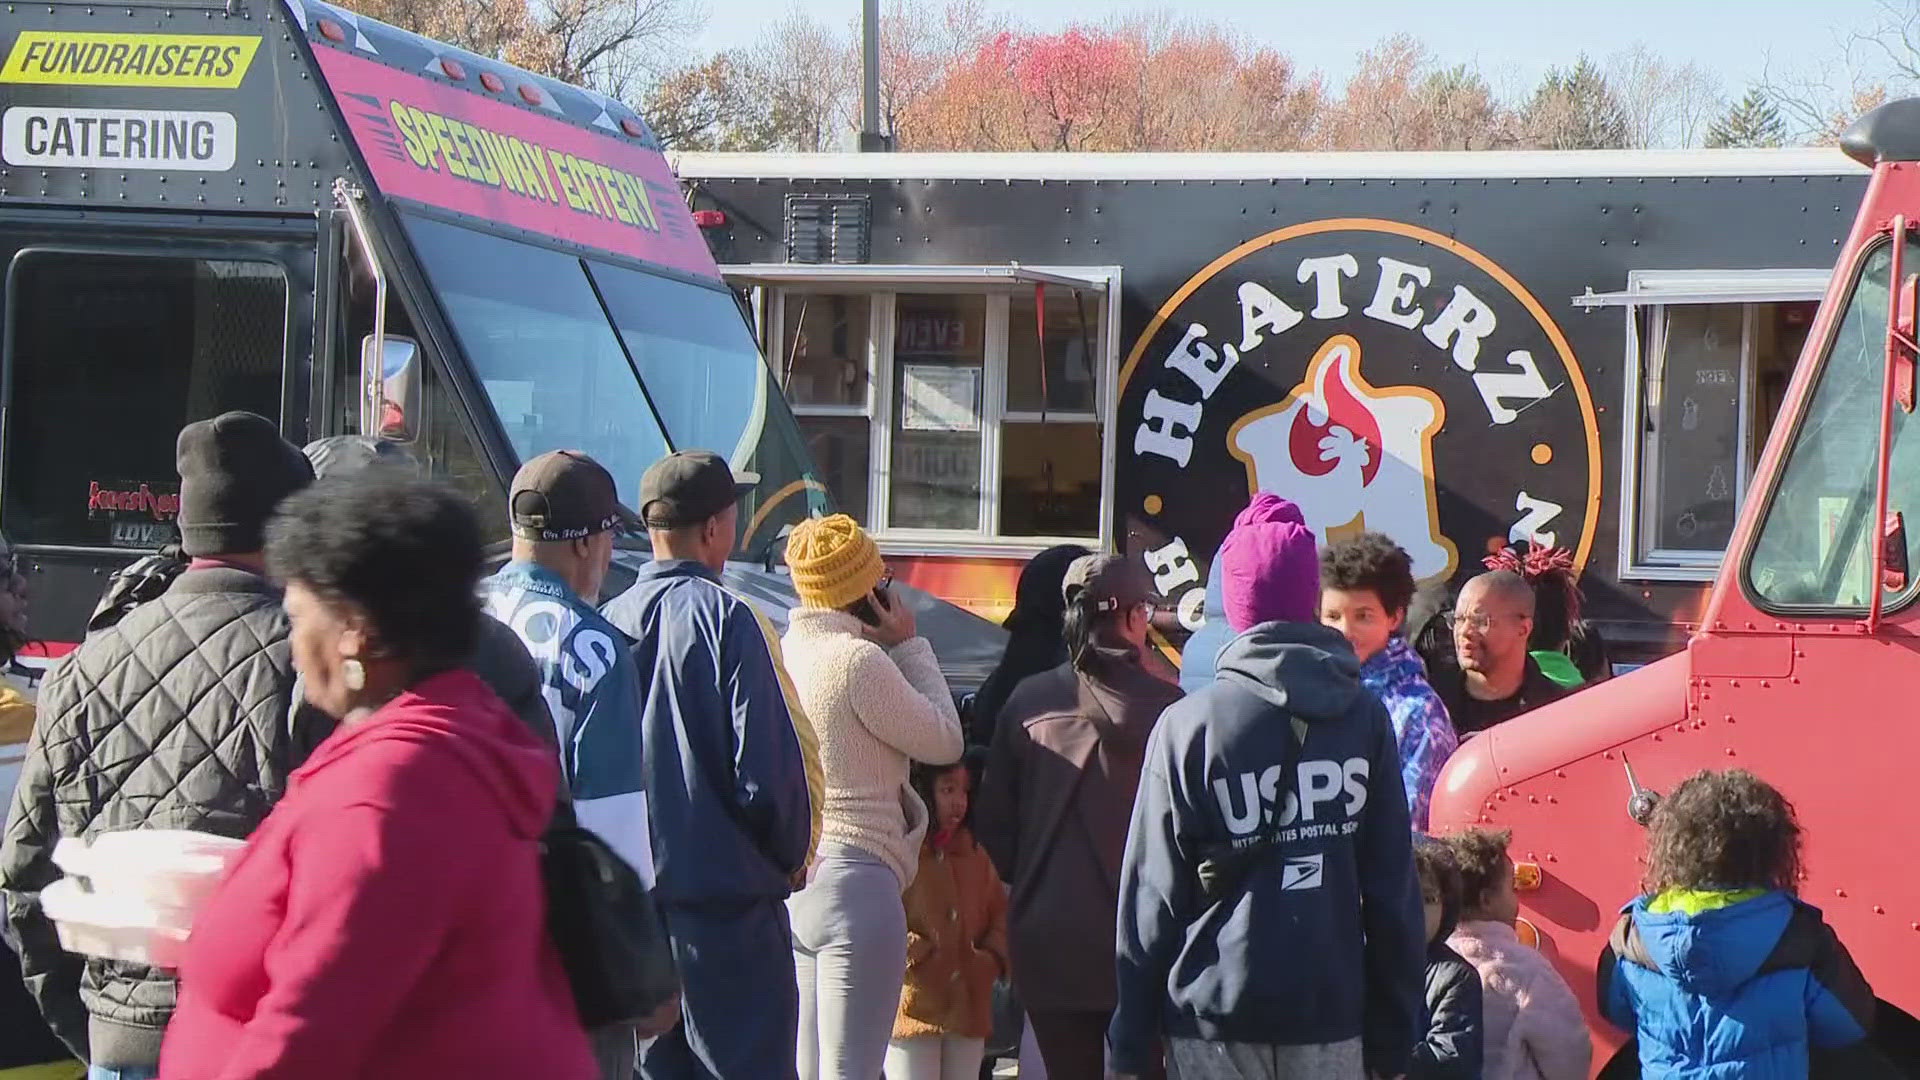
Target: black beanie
(234, 470)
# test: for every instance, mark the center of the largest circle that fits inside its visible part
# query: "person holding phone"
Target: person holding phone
(878, 703)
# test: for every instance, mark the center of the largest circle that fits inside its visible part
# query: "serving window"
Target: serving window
(947, 414)
(1709, 356)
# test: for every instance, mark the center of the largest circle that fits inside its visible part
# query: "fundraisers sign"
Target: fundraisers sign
(1381, 376)
(462, 151)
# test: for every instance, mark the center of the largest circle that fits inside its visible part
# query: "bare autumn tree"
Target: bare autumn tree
(1375, 107)
(1398, 99)
(612, 46)
(1664, 102)
(1198, 86)
(1863, 67)
(803, 69)
(711, 106)
(920, 45)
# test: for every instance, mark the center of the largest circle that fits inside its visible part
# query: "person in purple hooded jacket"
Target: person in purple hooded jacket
(1366, 584)
(1270, 924)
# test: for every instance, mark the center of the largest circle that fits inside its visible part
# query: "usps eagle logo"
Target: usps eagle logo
(1353, 456)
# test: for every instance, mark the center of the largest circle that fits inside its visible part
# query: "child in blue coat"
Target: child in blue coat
(1719, 968)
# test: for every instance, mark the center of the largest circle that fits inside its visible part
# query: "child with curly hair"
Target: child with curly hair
(1533, 1029)
(1719, 968)
(1451, 1048)
(1366, 585)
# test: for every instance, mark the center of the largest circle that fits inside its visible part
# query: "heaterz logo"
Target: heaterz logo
(1381, 376)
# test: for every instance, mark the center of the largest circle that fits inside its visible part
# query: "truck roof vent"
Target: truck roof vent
(1888, 133)
(828, 228)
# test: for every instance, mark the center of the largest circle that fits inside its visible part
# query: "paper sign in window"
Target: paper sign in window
(939, 397)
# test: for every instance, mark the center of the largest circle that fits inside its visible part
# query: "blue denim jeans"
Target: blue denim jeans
(99, 1072)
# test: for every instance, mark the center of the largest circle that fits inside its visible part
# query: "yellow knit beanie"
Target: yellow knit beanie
(834, 562)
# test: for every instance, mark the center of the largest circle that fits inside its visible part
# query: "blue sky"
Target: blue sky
(1512, 41)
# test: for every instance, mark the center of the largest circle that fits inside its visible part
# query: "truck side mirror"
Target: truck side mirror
(394, 362)
(1903, 349)
(1893, 552)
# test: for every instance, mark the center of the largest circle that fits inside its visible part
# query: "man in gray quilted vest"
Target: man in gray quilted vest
(176, 717)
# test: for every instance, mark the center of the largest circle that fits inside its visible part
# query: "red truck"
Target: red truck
(1797, 667)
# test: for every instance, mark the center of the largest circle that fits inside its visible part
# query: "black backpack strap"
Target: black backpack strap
(1224, 868)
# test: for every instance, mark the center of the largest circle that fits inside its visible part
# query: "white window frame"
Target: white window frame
(1655, 291)
(883, 286)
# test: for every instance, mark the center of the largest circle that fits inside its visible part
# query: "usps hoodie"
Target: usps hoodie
(1324, 941)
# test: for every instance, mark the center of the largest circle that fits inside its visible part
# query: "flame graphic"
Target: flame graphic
(1307, 442)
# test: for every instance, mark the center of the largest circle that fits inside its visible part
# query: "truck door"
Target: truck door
(441, 429)
(1792, 678)
(112, 342)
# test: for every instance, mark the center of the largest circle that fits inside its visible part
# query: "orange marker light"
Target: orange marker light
(1528, 933)
(1526, 877)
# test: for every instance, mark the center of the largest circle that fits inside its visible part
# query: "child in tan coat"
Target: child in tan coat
(956, 941)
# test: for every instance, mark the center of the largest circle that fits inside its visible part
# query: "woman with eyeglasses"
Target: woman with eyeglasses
(878, 703)
(1055, 802)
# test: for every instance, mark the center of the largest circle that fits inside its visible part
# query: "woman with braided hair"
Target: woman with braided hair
(1567, 649)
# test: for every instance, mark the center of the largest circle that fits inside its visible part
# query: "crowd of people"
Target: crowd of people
(1233, 880)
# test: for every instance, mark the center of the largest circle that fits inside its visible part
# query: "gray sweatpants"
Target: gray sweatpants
(850, 953)
(1194, 1059)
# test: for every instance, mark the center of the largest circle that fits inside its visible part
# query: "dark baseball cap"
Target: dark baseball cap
(689, 486)
(565, 495)
(1113, 581)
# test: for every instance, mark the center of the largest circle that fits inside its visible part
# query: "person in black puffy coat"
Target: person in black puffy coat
(1450, 1048)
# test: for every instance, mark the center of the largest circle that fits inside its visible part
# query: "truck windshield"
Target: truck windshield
(1814, 546)
(579, 354)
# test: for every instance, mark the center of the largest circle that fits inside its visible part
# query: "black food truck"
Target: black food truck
(279, 206)
(990, 354)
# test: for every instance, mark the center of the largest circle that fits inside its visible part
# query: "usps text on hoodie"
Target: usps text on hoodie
(1325, 940)
(389, 917)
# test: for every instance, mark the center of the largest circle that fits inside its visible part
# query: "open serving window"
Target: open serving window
(1709, 355)
(952, 409)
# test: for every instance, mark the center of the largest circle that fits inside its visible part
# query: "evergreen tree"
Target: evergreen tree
(1753, 122)
(1576, 110)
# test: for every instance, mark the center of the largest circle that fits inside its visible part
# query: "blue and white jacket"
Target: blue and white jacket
(1398, 677)
(591, 687)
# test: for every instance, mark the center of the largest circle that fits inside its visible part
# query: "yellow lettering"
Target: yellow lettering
(409, 137)
(563, 169)
(450, 148)
(616, 199)
(642, 204)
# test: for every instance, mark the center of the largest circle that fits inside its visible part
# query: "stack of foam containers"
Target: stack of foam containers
(132, 895)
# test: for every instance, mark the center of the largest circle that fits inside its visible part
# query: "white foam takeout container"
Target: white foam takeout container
(164, 867)
(132, 895)
(115, 926)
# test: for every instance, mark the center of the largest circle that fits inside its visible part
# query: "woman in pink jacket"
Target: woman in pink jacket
(389, 917)
(1533, 1028)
